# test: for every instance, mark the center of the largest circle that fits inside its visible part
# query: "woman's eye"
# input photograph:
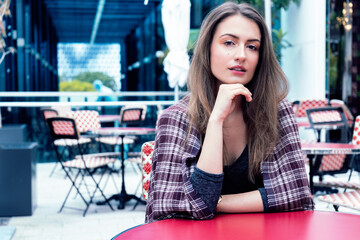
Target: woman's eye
(229, 43)
(252, 47)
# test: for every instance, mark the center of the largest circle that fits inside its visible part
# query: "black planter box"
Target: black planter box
(18, 179)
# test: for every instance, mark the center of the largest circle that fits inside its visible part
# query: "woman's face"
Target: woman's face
(234, 52)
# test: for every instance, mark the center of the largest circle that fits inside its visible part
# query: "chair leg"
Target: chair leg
(53, 170)
(73, 185)
(78, 181)
(87, 203)
(97, 187)
(67, 196)
(136, 204)
(82, 181)
(58, 160)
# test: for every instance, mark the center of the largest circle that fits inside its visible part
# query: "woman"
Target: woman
(232, 145)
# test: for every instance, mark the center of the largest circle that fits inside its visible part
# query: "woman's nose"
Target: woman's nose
(240, 53)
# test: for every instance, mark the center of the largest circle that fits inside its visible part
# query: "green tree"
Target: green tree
(90, 77)
(279, 42)
(76, 86)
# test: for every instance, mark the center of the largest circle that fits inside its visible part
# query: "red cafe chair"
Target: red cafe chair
(349, 199)
(147, 150)
(88, 120)
(81, 170)
(306, 104)
(332, 164)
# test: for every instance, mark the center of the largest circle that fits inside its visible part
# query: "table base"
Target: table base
(122, 198)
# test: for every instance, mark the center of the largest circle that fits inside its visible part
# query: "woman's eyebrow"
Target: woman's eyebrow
(236, 37)
(254, 40)
(229, 34)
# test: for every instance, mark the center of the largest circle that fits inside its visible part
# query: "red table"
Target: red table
(322, 148)
(301, 225)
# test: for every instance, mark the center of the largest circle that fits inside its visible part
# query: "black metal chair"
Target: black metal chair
(83, 166)
(329, 118)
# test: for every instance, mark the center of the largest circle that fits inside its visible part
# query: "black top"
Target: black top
(234, 180)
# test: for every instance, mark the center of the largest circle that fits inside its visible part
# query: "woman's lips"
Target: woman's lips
(238, 70)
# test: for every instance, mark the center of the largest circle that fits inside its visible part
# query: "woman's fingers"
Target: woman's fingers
(225, 99)
(233, 90)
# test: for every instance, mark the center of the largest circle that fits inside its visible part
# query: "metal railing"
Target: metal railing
(27, 99)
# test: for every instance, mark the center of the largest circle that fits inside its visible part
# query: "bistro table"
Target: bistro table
(121, 132)
(301, 225)
(312, 150)
(110, 119)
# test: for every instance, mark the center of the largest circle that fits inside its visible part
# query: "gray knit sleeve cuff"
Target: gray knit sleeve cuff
(208, 186)
(264, 199)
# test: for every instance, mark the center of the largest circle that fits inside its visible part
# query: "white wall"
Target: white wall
(304, 62)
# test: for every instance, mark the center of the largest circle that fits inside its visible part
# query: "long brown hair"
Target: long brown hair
(268, 86)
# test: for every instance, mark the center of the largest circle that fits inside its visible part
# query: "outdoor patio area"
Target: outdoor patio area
(99, 223)
(98, 98)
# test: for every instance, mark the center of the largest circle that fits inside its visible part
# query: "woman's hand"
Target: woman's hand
(225, 101)
(211, 157)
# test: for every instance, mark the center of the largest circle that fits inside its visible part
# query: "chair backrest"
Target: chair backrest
(326, 115)
(356, 133)
(63, 128)
(307, 104)
(329, 116)
(132, 114)
(147, 150)
(48, 113)
(86, 120)
(340, 103)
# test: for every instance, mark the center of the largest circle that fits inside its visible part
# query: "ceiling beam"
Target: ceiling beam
(99, 12)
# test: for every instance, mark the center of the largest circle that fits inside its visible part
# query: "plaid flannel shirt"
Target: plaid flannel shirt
(171, 193)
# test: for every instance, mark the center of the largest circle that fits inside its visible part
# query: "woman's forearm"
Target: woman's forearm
(241, 202)
(211, 155)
